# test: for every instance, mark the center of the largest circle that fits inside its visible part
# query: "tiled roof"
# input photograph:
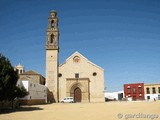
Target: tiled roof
(30, 72)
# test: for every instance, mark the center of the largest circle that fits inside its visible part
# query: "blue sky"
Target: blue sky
(121, 36)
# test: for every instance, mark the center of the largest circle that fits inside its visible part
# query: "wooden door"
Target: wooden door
(77, 95)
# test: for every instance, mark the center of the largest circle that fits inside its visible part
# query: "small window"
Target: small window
(31, 85)
(140, 90)
(148, 97)
(148, 91)
(94, 74)
(158, 89)
(158, 97)
(76, 59)
(129, 90)
(60, 75)
(76, 75)
(52, 23)
(134, 90)
(52, 38)
(153, 90)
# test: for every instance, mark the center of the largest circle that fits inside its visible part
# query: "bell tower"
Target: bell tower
(52, 49)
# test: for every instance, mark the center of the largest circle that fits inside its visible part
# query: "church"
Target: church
(77, 77)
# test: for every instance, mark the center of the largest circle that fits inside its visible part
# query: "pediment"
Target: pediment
(77, 57)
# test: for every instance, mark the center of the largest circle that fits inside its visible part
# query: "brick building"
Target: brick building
(134, 91)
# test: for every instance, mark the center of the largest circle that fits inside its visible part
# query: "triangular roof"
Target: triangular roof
(83, 58)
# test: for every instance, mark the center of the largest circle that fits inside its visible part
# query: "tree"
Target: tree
(8, 80)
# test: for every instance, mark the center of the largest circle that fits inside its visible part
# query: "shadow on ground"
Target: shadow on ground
(20, 109)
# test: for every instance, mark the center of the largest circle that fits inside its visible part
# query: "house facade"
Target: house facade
(152, 92)
(134, 91)
(37, 92)
(34, 83)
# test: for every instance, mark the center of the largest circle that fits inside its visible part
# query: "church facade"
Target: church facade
(77, 77)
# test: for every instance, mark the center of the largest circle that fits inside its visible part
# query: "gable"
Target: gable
(78, 59)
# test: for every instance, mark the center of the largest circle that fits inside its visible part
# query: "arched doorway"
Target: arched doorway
(77, 95)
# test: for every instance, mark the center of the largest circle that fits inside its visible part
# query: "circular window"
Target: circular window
(76, 59)
(60, 75)
(94, 74)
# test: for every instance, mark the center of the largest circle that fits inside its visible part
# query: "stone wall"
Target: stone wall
(32, 102)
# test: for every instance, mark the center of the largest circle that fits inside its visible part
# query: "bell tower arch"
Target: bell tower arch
(52, 50)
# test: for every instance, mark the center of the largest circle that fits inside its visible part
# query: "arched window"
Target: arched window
(52, 23)
(52, 38)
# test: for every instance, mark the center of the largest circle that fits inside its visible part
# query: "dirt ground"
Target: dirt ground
(87, 111)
